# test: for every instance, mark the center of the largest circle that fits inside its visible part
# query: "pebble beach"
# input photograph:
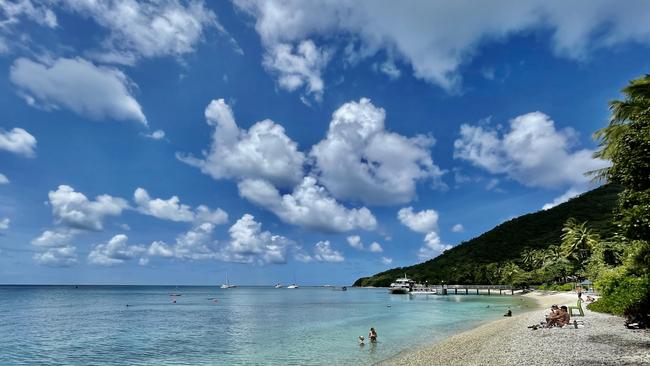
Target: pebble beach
(602, 341)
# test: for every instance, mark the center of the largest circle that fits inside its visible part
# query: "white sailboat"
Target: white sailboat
(227, 284)
(278, 285)
(293, 285)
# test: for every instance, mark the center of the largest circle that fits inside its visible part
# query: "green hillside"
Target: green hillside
(466, 263)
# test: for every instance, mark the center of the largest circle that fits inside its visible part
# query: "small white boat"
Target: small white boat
(278, 285)
(293, 285)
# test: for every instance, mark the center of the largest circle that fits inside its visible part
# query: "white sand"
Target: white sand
(602, 341)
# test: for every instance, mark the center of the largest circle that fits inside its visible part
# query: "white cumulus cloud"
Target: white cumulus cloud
(11, 15)
(196, 243)
(421, 222)
(54, 238)
(299, 67)
(432, 247)
(156, 135)
(170, 209)
(115, 251)
(263, 151)
(375, 247)
(75, 210)
(3, 179)
(249, 243)
(458, 228)
(309, 205)
(147, 28)
(570, 193)
(4, 223)
(18, 141)
(323, 252)
(57, 257)
(355, 242)
(360, 160)
(97, 92)
(160, 249)
(436, 37)
(532, 151)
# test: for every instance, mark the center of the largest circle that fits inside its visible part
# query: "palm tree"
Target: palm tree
(577, 240)
(508, 272)
(528, 257)
(539, 256)
(635, 108)
(551, 254)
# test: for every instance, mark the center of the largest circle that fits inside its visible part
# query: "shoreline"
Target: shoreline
(508, 341)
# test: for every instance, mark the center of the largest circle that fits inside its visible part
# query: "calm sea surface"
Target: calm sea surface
(91, 325)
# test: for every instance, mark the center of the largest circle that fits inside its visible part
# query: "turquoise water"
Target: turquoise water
(91, 325)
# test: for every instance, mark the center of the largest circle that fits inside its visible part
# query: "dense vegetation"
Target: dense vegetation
(512, 246)
(576, 240)
(625, 285)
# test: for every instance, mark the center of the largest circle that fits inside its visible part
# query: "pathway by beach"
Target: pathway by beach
(602, 341)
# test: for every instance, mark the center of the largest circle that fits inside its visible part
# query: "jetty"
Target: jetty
(475, 289)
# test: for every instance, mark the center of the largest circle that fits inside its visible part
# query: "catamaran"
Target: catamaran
(401, 286)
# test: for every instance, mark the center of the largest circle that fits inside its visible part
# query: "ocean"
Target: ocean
(92, 325)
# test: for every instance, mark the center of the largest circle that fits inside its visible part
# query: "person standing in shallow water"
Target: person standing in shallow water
(372, 335)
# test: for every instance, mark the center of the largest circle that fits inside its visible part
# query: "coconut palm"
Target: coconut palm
(635, 108)
(508, 272)
(577, 240)
(539, 256)
(528, 257)
(551, 254)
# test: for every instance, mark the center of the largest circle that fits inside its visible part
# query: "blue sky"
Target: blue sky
(172, 142)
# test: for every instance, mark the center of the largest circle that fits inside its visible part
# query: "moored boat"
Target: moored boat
(401, 286)
(227, 284)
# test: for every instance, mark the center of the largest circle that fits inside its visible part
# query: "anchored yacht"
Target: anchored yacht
(227, 284)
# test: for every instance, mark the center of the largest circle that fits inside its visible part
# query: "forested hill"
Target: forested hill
(467, 263)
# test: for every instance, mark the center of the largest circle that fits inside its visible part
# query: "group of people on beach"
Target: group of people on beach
(372, 335)
(558, 317)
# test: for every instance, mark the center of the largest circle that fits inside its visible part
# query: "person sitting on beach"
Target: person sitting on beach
(552, 317)
(554, 312)
(372, 335)
(559, 319)
(564, 317)
(361, 341)
(509, 313)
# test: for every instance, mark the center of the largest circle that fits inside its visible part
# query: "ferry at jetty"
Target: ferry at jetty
(403, 286)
